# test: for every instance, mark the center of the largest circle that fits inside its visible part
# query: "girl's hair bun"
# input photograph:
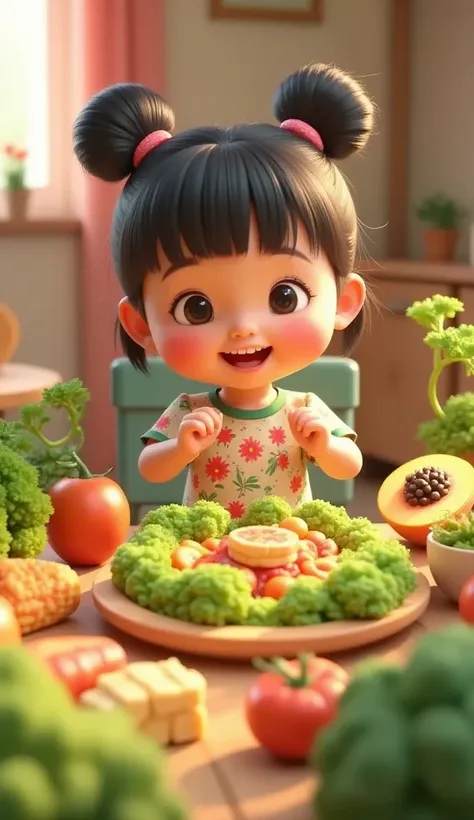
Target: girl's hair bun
(114, 121)
(332, 102)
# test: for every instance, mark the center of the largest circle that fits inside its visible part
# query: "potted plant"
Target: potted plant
(441, 216)
(450, 553)
(452, 428)
(15, 172)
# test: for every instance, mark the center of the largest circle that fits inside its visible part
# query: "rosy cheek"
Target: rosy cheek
(185, 352)
(304, 336)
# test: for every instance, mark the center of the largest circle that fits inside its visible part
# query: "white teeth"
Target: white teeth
(247, 351)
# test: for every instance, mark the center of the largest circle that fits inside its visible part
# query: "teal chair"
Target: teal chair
(141, 399)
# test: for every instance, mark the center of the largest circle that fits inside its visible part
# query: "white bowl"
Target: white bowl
(450, 567)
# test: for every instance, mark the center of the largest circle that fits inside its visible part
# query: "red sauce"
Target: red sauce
(258, 576)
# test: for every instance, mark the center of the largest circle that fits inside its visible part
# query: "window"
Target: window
(35, 79)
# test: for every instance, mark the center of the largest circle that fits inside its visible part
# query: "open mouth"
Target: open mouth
(247, 359)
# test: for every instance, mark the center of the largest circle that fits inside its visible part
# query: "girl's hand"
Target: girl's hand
(309, 430)
(198, 431)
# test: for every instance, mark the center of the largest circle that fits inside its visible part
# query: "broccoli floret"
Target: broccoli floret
(402, 745)
(356, 533)
(303, 604)
(208, 520)
(129, 555)
(154, 535)
(391, 557)
(324, 517)
(267, 512)
(140, 581)
(213, 594)
(172, 517)
(362, 590)
(164, 595)
(27, 508)
(262, 612)
(5, 537)
(60, 761)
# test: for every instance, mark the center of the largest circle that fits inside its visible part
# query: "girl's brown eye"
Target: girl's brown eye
(288, 297)
(193, 309)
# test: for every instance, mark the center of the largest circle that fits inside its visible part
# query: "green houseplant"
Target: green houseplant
(441, 217)
(15, 160)
(452, 428)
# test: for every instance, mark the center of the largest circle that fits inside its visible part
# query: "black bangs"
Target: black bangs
(203, 188)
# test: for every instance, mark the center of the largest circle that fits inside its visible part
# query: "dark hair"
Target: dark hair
(201, 187)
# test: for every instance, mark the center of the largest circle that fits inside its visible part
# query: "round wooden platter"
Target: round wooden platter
(245, 642)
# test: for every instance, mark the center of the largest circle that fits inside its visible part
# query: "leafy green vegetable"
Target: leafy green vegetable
(24, 508)
(324, 517)
(402, 745)
(455, 531)
(452, 433)
(450, 345)
(439, 211)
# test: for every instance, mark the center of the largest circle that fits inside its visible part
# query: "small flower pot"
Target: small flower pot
(17, 202)
(450, 567)
(440, 244)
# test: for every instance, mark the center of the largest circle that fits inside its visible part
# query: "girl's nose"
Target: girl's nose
(243, 330)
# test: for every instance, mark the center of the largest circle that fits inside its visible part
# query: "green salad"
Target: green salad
(372, 577)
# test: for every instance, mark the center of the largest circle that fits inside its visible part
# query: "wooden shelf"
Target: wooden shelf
(455, 273)
(39, 227)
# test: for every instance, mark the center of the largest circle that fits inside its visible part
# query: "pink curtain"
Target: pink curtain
(114, 41)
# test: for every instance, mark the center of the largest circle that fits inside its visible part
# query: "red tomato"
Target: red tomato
(288, 704)
(277, 586)
(78, 660)
(466, 601)
(91, 519)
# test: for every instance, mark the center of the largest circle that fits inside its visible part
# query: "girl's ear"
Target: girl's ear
(135, 326)
(350, 301)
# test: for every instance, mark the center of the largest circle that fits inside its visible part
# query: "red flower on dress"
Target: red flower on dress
(250, 449)
(295, 484)
(283, 461)
(225, 436)
(236, 509)
(277, 435)
(195, 481)
(163, 422)
(217, 469)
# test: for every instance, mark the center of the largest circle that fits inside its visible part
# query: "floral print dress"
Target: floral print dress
(254, 454)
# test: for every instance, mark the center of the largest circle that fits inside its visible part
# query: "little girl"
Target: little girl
(235, 249)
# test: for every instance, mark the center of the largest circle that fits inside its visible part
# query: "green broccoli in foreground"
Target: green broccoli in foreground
(172, 517)
(59, 761)
(356, 533)
(26, 507)
(390, 557)
(155, 535)
(324, 517)
(208, 520)
(267, 512)
(362, 590)
(140, 581)
(130, 555)
(402, 746)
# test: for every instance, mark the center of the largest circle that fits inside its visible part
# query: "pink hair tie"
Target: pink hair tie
(147, 144)
(305, 131)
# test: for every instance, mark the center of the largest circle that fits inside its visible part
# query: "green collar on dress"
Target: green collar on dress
(238, 413)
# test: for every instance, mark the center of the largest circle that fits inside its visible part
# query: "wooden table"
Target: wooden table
(23, 384)
(227, 777)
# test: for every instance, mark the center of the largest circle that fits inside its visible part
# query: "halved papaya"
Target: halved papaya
(421, 492)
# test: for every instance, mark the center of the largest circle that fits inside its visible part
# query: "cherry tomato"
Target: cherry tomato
(79, 660)
(91, 519)
(466, 601)
(212, 544)
(10, 633)
(277, 586)
(291, 701)
(185, 557)
(296, 525)
(309, 567)
(317, 538)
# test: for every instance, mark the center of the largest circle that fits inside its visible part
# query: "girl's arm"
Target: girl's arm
(340, 458)
(162, 461)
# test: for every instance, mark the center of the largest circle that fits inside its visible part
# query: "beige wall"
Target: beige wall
(223, 71)
(442, 113)
(38, 280)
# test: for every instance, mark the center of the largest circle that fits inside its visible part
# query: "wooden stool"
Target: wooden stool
(23, 384)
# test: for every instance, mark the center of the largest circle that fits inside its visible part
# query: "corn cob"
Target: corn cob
(42, 593)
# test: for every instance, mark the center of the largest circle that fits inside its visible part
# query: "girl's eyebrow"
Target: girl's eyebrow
(284, 251)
